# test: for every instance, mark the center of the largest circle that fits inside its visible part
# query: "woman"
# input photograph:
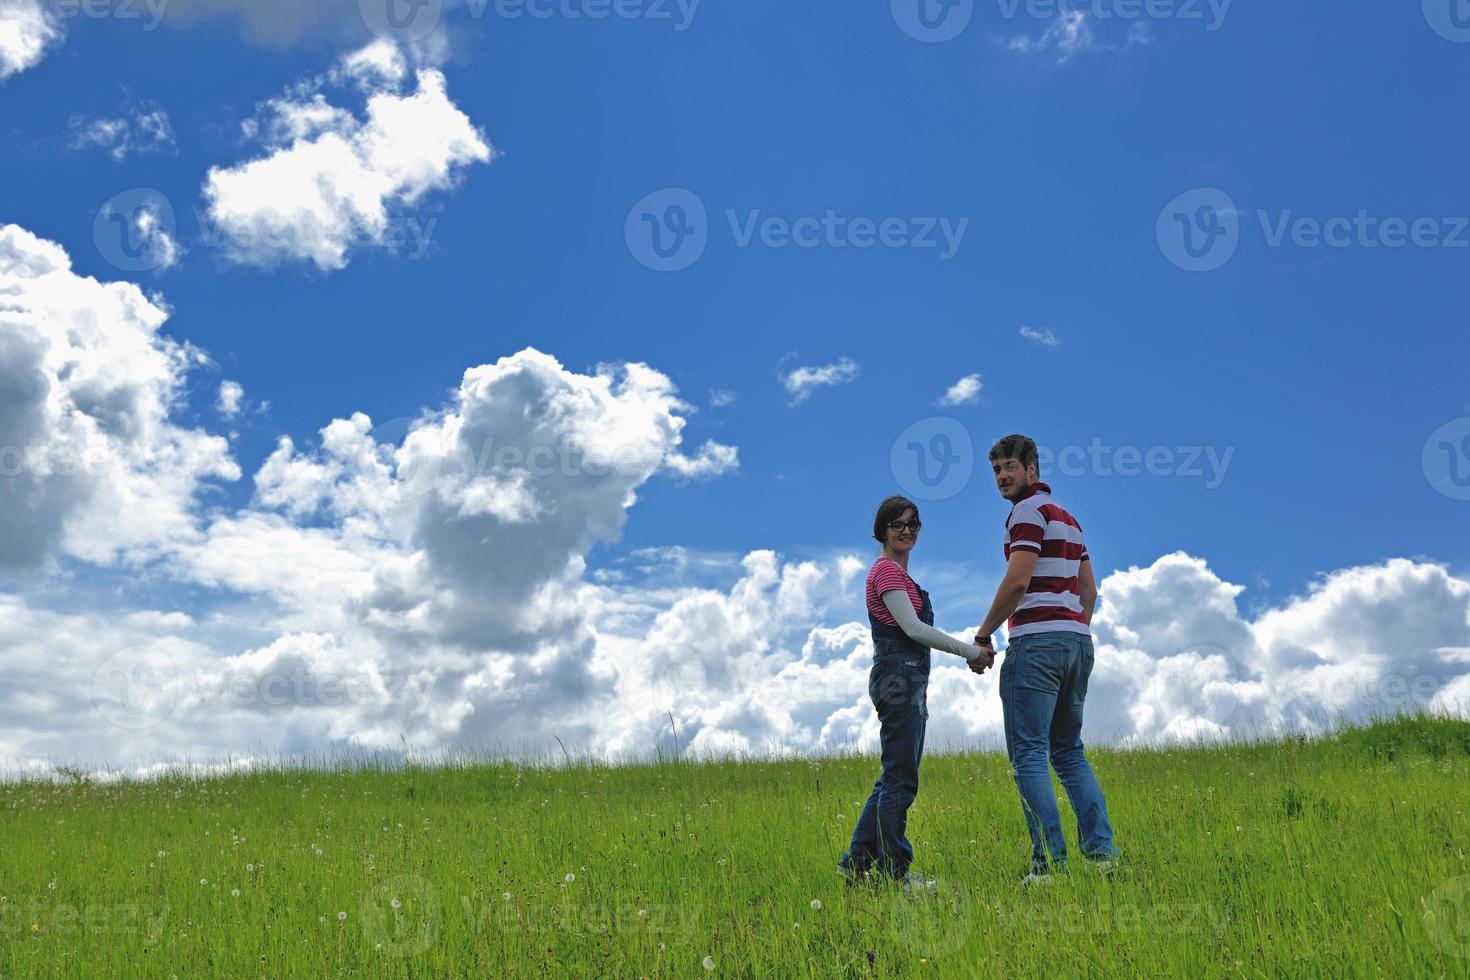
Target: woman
(903, 633)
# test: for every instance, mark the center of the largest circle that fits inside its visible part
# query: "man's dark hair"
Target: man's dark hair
(1017, 447)
(891, 510)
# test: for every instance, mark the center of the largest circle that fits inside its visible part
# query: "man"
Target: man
(1047, 599)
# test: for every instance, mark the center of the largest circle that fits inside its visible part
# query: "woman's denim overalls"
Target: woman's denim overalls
(898, 685)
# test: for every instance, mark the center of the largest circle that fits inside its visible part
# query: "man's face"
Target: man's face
(1011, 478)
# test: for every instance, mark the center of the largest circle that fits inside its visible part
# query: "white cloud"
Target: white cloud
(426, 579)
(27, 29)
(142, 127)
(965, 391)
(802, 381)
(720, 398)
(153, 247)
(1065, 35)
(231, 398)
(1041, 335)
(331, 181)
(714, 459)
(89, 389)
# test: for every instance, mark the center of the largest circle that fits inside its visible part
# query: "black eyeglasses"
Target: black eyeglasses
(913, 525)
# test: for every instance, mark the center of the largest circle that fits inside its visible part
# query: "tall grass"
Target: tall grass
(1341, 856)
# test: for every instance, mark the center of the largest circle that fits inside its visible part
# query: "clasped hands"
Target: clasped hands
(986, 659)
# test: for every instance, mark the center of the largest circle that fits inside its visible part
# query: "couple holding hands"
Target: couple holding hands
(1046, 599)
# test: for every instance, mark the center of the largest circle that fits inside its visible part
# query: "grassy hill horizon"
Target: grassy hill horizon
(1336, 856)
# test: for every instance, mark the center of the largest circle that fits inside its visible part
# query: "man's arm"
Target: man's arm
(1011, 591)
(1087, 588)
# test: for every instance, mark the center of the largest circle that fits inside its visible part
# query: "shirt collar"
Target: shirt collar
(1037, 487)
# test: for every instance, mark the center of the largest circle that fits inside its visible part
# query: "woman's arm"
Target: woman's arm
(901, 608)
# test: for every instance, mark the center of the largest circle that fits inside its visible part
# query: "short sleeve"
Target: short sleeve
(1027, 528)
(887, 577)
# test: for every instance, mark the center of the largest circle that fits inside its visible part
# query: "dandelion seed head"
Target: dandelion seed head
(709, 962)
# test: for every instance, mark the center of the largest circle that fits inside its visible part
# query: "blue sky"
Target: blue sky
(1321, 371)
(1324, 368)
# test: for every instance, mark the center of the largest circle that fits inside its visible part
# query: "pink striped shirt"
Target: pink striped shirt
(885, 576)
(1053, 600)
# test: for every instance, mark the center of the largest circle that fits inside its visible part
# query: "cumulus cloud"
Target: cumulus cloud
(27, 29)
(424, 580)
(801, 382)
(713, 459)
(230, 399)
(332, 181)
(88, 391)
(142, 126)
(965, 391)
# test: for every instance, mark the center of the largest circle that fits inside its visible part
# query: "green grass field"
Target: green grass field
(1332, 858)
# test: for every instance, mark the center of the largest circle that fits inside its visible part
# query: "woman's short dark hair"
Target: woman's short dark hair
(1017, 447)
(891, 510)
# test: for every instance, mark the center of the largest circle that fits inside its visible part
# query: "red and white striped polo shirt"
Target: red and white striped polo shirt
(1053, 601)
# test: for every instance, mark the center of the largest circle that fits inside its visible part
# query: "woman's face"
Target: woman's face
(903, 532)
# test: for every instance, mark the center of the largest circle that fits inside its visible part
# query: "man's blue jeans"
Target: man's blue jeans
(898, 685)
(1043, 683)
